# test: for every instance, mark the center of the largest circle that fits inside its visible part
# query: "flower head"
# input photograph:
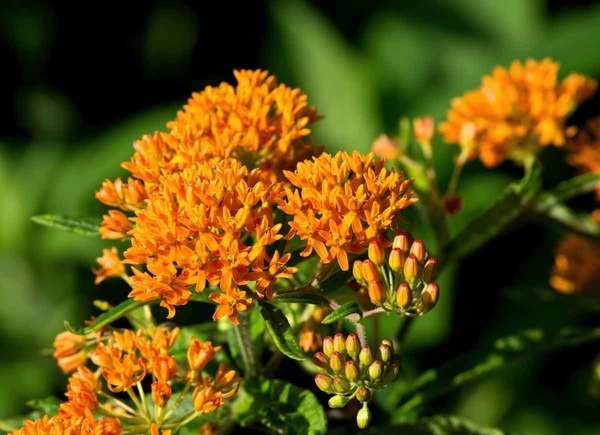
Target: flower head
(340, 203)
(576, 266)
(63, 424)
(516, 111)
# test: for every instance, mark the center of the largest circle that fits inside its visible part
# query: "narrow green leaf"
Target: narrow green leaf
(280, 331)
(302, 297)
(281, 407)
(576, 222)
(441, 424)
(436, 382)
(107, 317)
(83, 226)
(568, 189)
(505, 211)
(343, 311)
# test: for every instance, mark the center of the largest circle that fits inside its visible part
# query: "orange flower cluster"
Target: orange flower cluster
(202, 195)
(61, 424)
(576, 266)
(340, 203)
(516, 111)
(584, 149)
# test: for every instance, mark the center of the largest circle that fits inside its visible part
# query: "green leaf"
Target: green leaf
(107, 317)
(568, 189)
(343, 311)
(280, 331)
(301, 297)
(436, 382)
(48, 406)
(441, 425)
(40, 407)
(83, 227)
(505, 211)
(576, 222)
(279, 406)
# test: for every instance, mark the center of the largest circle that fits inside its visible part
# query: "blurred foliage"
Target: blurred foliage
(363, 68)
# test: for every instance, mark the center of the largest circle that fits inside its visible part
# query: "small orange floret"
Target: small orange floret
(110, 265)
(516, 111)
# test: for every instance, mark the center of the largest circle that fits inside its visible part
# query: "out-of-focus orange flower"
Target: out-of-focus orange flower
(110, 265)
(78, 425)
(516, 111)
(340, 203)
(584, 149)
(213, 393)
(126, 196)
(576, 266)
(423, 129)
(115, 225)
(385, 148)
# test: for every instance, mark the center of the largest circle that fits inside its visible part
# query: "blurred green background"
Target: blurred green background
(82, 81)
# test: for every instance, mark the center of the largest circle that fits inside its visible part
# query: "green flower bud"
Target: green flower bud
(328, 346)
(351, 371)
(341, 385)
(365, 357)
(338, 401)
(352, 345)
(385, 352)
(375, 370)
(363, 394)
(324, 382)
(336, 362)
(339, 343)
(363, 417)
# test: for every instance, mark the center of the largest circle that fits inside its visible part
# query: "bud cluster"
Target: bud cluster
(349, 371)
(399, 279)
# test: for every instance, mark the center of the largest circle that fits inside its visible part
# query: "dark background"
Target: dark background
(82, 80)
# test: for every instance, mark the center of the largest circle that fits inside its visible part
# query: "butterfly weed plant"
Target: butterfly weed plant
(303, 255)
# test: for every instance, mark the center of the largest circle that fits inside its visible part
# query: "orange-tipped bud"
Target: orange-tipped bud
(199, 353)
(402, 242)
(369, 271)
(324, 382)
(357, 271)
(321, 360)
(336, 362)
(328, 346)
(430, 295)
(417, 250)
(375, 370)
(385, 352)
(403, 295)
(341, 385)
(365, 357)
(376, 253)
(339, 343)
(363, 394)
(363, 417)
(411, 269)
(429, 270)
(376, 292)
(423, 129)
(352, 345)
(351, 371)
(396, 260)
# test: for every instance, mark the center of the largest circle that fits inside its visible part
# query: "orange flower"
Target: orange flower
(199, 354)
(342, 202)
(213, 393)
(516, 111)
(126, 196)
(230, 302)
(62, 424)
(385, 148)
(115, 225)
(576, 266)
(110, 265)
(69, 350)
(584, 149)
(81, 393)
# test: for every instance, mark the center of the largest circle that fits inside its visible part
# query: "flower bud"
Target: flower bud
(376, 254)
(411, 269)
(375, 370)
(385, 352)
(429, 270)
(417, 250)
(376, 292)
(352, 345)
(339, 343)
(328, 346)
(430, 295)
(321, 360)
(369, 271)
(336, 362)
(363, 394)
(365, 357)
(357, 271)
(391, 372)
(396, 260)
(338, 401)
(423, 129)
(403, 295)
(363, 417)
(402, 242)
(351, 371)
(387, 342)
(324, 382)
(341, 385)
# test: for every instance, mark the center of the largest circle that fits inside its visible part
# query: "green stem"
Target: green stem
(242, 333)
